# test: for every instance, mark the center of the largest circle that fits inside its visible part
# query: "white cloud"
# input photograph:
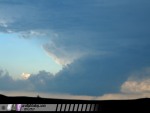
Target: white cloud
(138, 82)
(137, 86)
(130, 90)
(141, 86)
(25, 75)
(60, 54)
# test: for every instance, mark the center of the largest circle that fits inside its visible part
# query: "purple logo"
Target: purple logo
(18, 107)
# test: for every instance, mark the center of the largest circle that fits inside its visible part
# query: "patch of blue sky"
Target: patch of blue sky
(18, 55)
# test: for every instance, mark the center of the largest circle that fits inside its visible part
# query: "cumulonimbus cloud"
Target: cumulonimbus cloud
(83, 28)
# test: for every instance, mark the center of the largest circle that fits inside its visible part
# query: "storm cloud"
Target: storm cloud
(99, 43)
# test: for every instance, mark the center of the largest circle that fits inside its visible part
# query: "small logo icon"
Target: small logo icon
(14, 107)
(9, 107)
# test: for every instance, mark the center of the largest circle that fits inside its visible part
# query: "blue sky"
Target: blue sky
(93, 47)
(20, 55)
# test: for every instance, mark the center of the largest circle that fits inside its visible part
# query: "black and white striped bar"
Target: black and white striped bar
(76, 107)
(50, 107)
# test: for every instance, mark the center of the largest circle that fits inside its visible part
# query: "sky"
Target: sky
(18, 56)
(94, 49)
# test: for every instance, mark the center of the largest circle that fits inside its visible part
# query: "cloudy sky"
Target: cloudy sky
(91, 49)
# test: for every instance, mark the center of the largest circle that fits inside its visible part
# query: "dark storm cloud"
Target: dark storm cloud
(97, 75)
(93, 75)
(113, 35)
